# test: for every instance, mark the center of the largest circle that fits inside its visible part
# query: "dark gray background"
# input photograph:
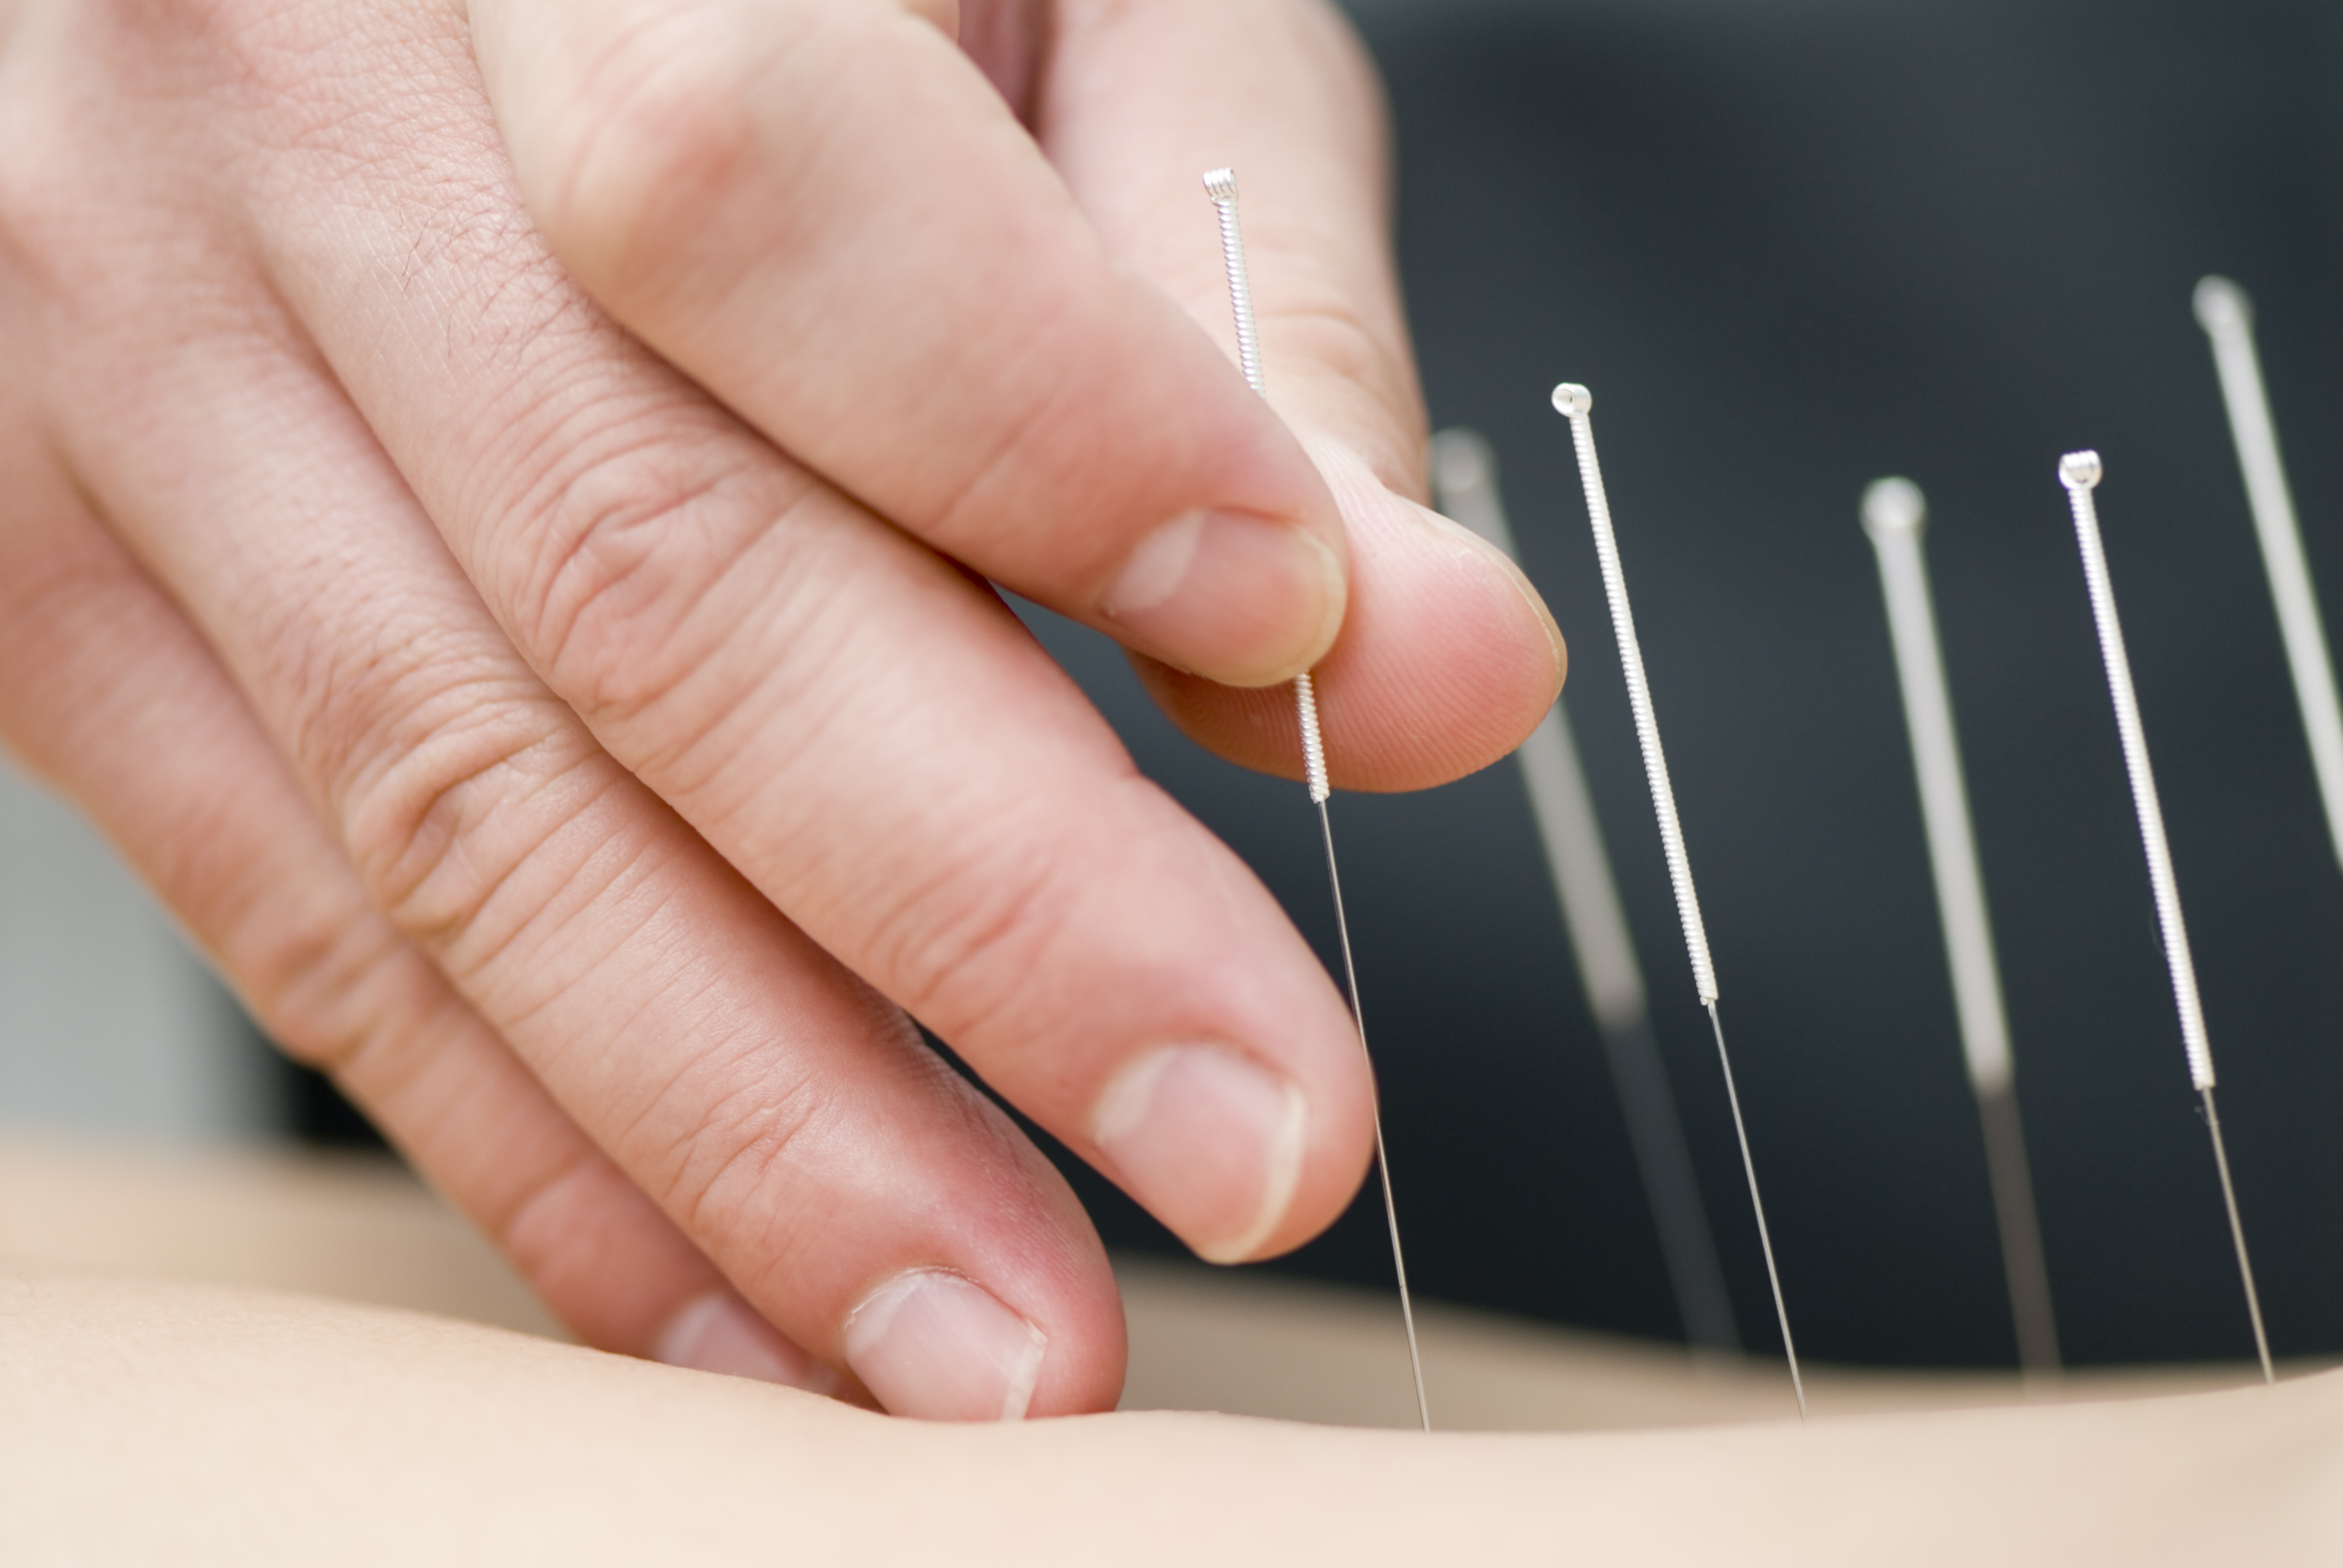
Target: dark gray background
(1793, 248)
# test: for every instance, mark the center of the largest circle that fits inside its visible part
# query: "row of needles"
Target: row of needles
(1894, 515)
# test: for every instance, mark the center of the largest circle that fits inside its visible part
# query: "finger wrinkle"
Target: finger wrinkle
(638, 530)
(968, 939)
(322, 971)
(480, 847)
(545, 905)
(733, 1171)
(450, 802)
(363, 685)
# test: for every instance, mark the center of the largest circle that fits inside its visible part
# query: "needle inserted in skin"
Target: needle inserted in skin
(1465, 484)
(2080, 473)
(1575, 404)
(2228, 317)
(1895, 516)
(1221, 184)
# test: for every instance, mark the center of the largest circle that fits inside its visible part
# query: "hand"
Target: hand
(498, 537)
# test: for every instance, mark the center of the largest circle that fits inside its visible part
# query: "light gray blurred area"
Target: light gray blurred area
(110, 1025)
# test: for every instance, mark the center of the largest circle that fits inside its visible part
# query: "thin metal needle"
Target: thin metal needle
(2080, 473)
(1895, 516)
(1576, 403)
(1382, 1160)
(1221, 184)
(2238, 1234)
(1465, 484)
(1758, 1203)
(2228, 317)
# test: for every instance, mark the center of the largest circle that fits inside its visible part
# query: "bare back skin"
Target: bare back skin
(220, 1421)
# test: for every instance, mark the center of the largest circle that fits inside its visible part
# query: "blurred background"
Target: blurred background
(1793, 245)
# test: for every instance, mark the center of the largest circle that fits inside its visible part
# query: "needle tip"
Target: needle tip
(1571, 399)
(2079, 470)
(1221, 184)
(2222, 305)
(1893, 507)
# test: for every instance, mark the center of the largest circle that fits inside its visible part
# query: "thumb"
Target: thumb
(1447, 657)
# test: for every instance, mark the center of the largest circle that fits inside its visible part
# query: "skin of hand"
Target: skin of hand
(146, 1422)
(495, 514)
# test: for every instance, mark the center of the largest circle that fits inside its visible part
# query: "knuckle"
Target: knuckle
(450, 780)
(326, 977)
(332, 987)
(660, 118)
(642, 578)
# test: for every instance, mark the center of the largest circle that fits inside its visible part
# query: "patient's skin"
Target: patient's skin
(145, 1422)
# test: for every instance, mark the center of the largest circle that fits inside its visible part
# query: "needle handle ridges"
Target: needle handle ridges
(1576, 403)
(2080, 472)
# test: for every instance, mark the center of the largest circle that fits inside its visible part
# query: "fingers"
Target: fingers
(1442, 655)
(824, 213)
(861, 730)
(1448, 657)
(129, 713)
(873, 1206)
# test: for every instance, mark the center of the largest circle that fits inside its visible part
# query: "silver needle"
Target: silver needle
(1894, 515)
(2080, 473)
(2228, 317)
(1465, 484)
(1576, 403)
(1221, 184)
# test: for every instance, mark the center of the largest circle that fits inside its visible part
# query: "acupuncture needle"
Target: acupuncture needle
(2080, 472)
(1464, 487)
(1576, 403)
(1895, 516)
(2228, 318)
(1221, 184)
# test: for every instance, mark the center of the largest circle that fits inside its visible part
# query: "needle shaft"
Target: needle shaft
(2238, 1235)
(1758, 1203)
(1382, 1160)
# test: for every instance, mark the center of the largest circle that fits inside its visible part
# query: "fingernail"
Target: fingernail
(1209, 1140)
(717, 1333)
(1239, 599)
(936, 1345)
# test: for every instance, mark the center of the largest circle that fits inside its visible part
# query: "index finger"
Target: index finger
(823, 213)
